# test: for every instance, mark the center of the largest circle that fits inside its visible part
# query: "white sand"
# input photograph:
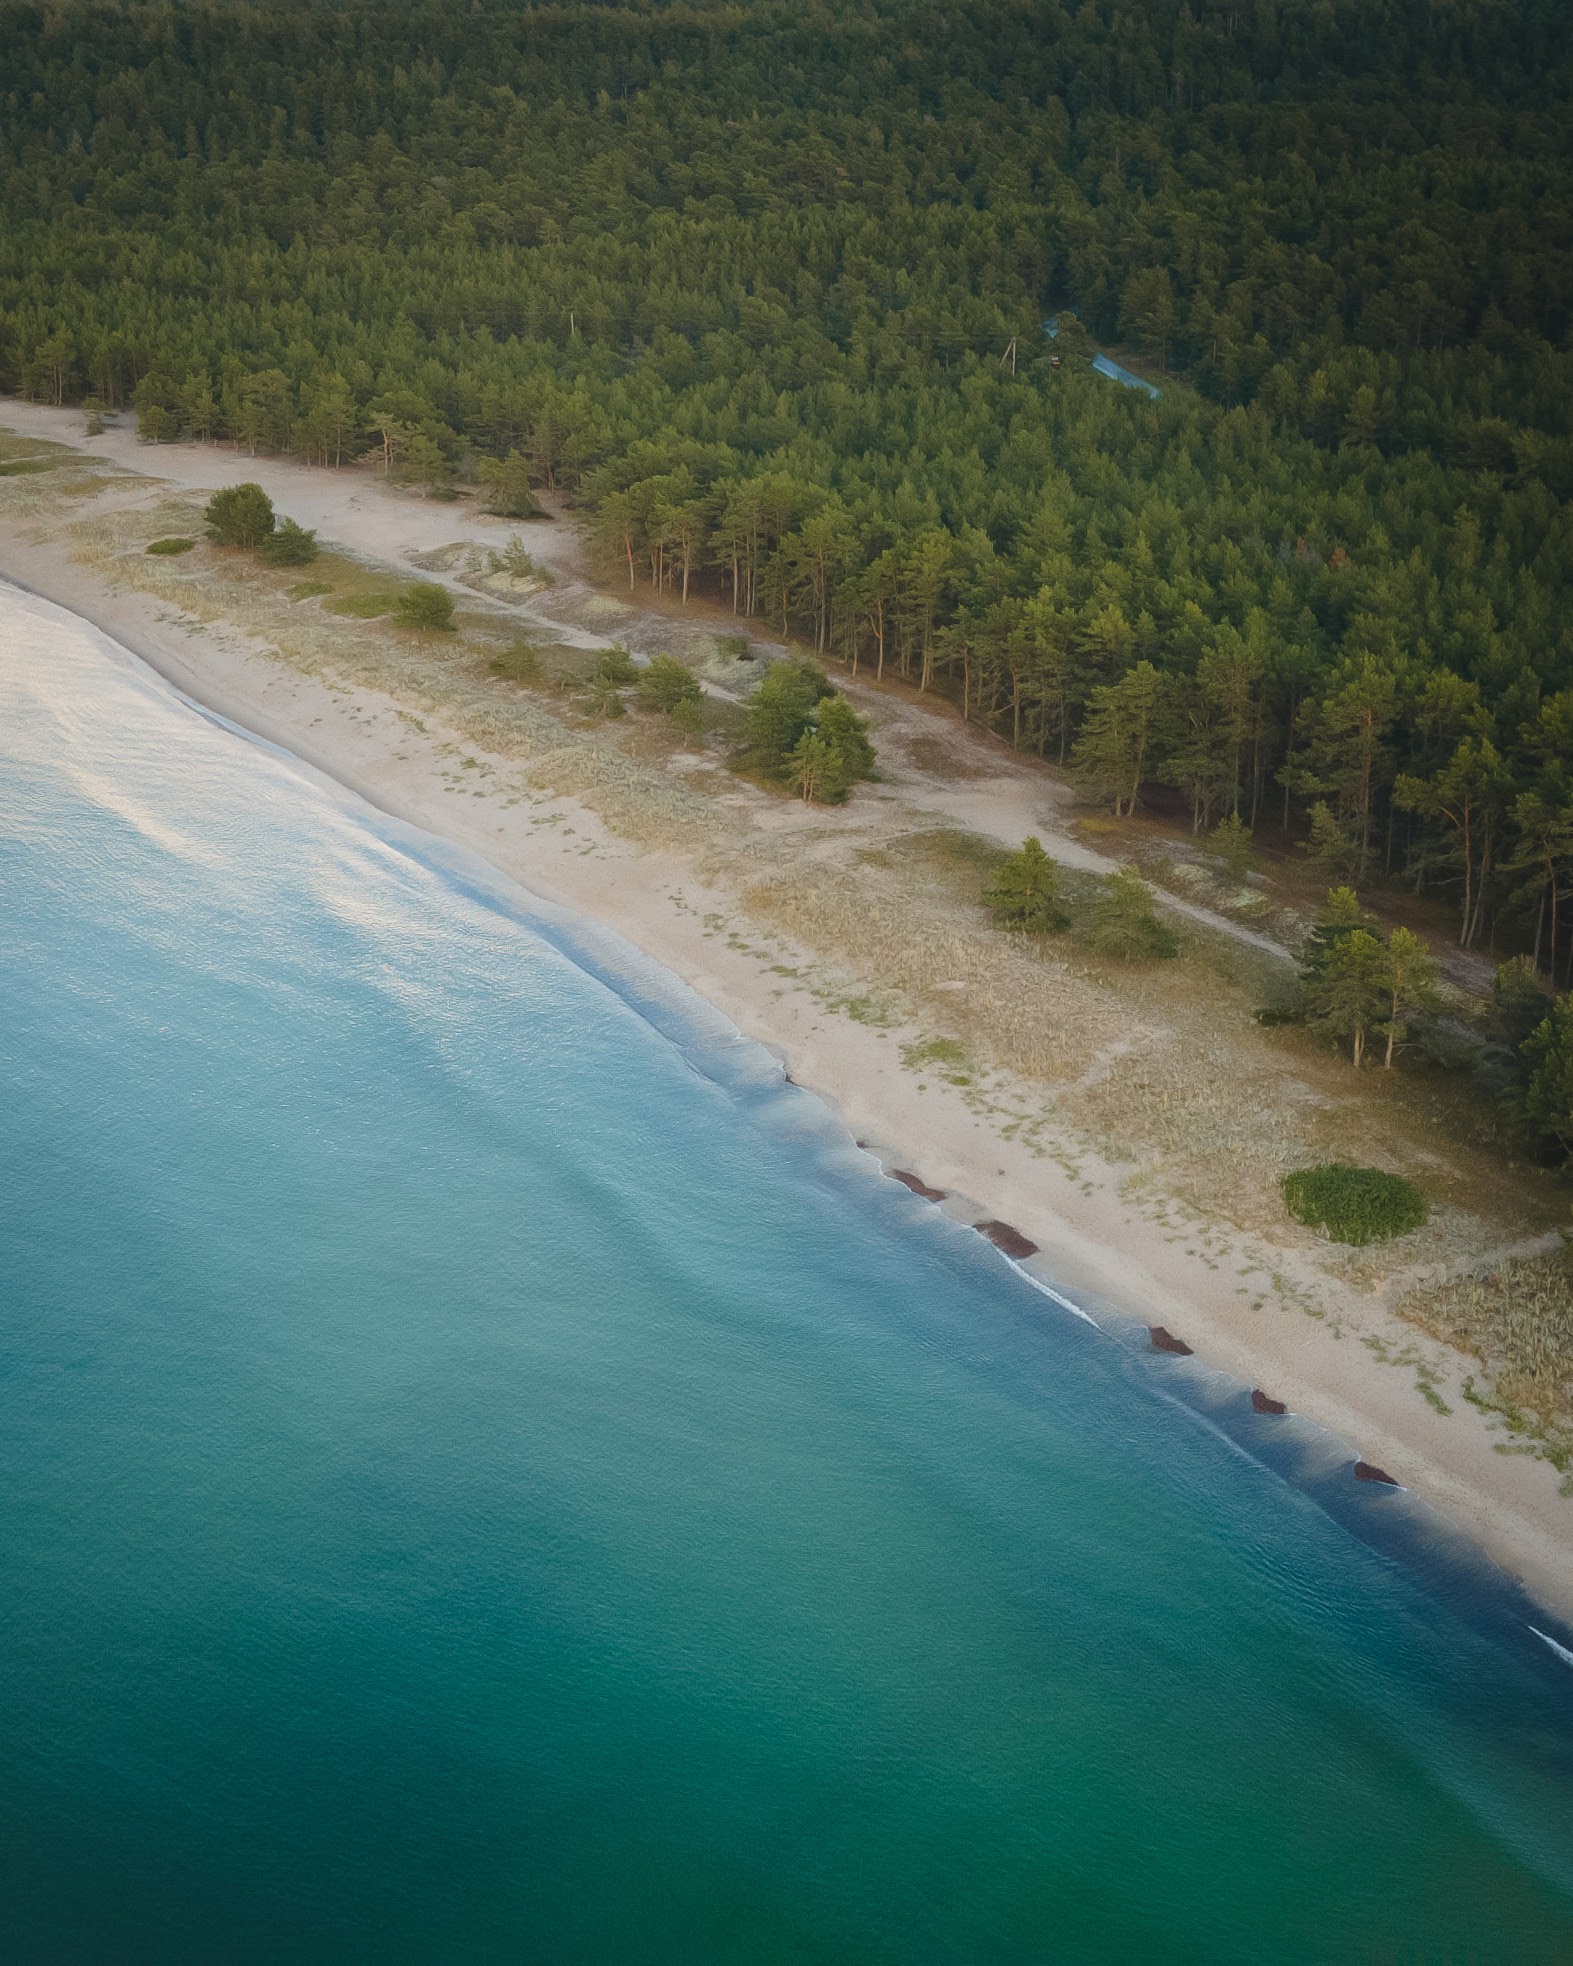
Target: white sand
(1093, 1241)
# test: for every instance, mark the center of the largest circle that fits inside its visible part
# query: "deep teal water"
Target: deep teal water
(491, 1475)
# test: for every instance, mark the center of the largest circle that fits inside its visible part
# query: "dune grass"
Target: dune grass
(363, 607)
(1518, 1322)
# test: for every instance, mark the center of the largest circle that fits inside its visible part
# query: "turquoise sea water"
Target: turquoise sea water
(490, 1474)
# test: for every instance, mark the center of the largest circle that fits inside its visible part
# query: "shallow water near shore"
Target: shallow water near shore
(492, 1474)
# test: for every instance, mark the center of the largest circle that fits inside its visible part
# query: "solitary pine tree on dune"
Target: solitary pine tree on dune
(1025, 891)
(240, 515)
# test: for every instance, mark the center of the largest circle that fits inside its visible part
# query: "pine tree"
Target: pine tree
(289, 545)
(1230, 839)
(1025, 891)
(1120, 735)
(1341, 917)
(782, 708)
(510, 494)
(847, 735)
(813, 770)
(1350, 990)
(1548, 1093)
(425, 604)
(1122, 922)
(1410, 981)
(239, 515)
(665, 682)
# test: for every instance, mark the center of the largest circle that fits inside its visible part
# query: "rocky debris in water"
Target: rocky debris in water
(1165, 1341)
(1364, 1471)
(917, 1184)
(1011, 1241)
(1265, 1403)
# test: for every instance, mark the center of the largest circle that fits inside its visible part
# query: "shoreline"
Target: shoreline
(655, 900)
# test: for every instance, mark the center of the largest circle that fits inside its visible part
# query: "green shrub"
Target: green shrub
(665, 683)
(1025, 891)
(689, 715)
(782, 709)
(508, 481)
(521, 663)
(1354, 1204)
(1122, 922)
(169, 547)
(240, 515)
(424, 604)
(290, 546)
(602, 698)
(614, 667)
(847, 735)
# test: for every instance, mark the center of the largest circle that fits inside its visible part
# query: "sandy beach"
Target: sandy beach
(719, 900)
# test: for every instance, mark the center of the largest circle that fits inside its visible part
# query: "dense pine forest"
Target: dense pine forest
(763, 289)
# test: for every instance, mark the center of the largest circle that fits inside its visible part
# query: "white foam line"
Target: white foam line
(1561, 1651)
(1052, 1294)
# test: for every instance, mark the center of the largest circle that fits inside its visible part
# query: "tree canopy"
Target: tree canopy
(764, 291)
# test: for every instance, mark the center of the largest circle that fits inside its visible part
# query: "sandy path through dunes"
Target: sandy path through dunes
(998, 796)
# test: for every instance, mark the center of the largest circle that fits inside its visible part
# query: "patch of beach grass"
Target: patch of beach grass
(168, 549)
(520, 663)
(367, 606)
(1517, 1321)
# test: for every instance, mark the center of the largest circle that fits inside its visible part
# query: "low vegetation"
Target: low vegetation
(1517, 1320)
(289, 545)
(369, 605)
(521, 663)
(243, 516)
(168, 548)
(665, 683)
(424, 604)
(1121, 922)
(1356, 1205)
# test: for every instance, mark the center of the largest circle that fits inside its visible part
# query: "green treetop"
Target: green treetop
(1025, 891)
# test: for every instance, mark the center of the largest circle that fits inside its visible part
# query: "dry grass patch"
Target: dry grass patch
(1016, 1006)
(1518, 1322)
(937, 759)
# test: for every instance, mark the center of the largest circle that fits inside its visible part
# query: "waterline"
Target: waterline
(497, 1471)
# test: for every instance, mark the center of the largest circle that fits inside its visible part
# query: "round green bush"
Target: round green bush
(170, 546)
(424, 604)
(1354, 1204)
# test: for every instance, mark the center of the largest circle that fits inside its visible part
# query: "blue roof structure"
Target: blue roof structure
(1117, 374)
(1105, 365)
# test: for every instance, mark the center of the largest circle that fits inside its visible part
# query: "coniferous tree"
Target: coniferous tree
(239, 515)
(1547, 1103)
(1122, 922)
(1025, 891)
(1350, 990)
